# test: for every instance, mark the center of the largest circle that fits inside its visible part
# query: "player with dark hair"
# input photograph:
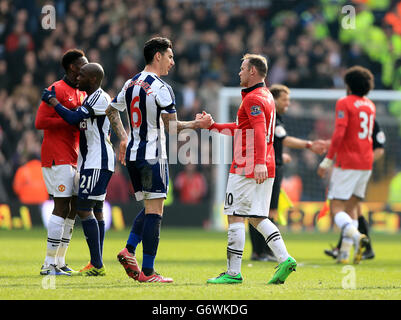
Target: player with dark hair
(96, 159)
(379, 139)
(151, 108)
(59, 160)
(351, 145)
(281, 95)
(252, 173)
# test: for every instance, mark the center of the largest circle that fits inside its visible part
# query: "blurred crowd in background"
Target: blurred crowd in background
(304, 43)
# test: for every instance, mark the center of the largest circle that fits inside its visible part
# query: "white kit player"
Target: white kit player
(96, 159)
(151, 109)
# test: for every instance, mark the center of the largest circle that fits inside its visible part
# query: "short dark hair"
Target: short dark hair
(155, 45)
(359, 80)
(258, 61)
(276, 90)
(70, 57)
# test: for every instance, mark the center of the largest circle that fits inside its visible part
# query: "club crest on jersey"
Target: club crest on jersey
(255, 110)
(61, 188)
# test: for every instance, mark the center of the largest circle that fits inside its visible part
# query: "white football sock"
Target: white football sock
(54, 232)
(344, 222)
(345, 250)
(273, 239)
(355, 223)
(65, 241)
(235, 247)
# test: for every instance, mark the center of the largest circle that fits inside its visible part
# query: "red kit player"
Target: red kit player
(252, 173)
(351, 146)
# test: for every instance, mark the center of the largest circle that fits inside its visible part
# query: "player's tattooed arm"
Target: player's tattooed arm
(173, 125)
(114, 117)
(115, 120)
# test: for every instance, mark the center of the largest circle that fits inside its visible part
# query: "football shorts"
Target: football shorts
(149, 178)
(61, 180)
(244, 197)
(345, 183)
(93, 184)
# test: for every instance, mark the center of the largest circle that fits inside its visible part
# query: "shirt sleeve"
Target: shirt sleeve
(74, 116)
(341, 124)
(280, 132)
(224, 128)
(379, 138)
(165, 99)
(47, 118)
(118, 101)
(256, 115)
(100, 105)
(254, 110)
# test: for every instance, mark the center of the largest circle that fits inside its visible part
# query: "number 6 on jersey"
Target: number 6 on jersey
(136, 114)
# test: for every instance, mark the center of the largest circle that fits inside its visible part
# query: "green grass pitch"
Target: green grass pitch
(190, 257)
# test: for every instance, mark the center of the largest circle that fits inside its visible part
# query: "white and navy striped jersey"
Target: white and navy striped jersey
(95, 148)
(145, 96)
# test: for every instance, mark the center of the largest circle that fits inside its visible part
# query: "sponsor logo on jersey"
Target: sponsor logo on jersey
(83, 125)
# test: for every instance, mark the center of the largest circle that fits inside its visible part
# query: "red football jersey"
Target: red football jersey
(352, 137)
(60, 140)
(253, 132)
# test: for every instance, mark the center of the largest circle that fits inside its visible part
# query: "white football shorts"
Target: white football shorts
(244, 197)
(61, 180)
(345, 183)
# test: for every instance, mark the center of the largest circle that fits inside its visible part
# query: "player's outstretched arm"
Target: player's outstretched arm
(115, 120)
(223, 128)
(173, 125)
(316, 146)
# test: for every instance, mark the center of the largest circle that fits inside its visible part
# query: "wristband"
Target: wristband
(326, 163)
(308, 144)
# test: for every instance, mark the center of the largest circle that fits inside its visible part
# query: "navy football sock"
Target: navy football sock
(91, 231)
(102, 230)
(150, 241)
(135, 236)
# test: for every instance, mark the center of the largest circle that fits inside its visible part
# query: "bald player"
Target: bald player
(96, 158)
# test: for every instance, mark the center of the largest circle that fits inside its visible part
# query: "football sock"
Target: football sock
(91, 231)
(55, 227)
(65, 241)
(273, 239)
(135, 236)
(150, 241)
(344, 222)
(235, 247)
(363, 227)
(345, 248)
(355, 223)
(102, 231)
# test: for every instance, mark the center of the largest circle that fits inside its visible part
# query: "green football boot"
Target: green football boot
(283, 271)
(225, 278)
(91, 271)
